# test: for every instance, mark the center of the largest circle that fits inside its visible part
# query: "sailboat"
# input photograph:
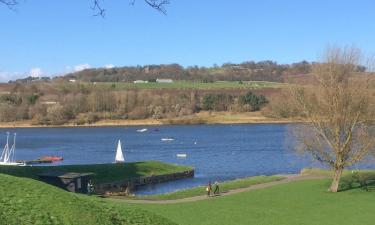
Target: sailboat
(7, 156)
(119, 156)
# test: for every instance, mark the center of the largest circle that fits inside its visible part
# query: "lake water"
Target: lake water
(218, 152)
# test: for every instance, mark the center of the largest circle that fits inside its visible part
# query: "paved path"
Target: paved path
(288, 178)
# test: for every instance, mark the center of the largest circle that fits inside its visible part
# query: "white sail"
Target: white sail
(7, 156)
(119, 156)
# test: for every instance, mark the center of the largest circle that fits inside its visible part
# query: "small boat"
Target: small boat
(142, 130)
(35, 161)
(8, 154)
(181, 155)
(167, 139)
(119, 156)
(51, 158)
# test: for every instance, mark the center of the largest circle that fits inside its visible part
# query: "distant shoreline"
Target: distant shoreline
(199, 118)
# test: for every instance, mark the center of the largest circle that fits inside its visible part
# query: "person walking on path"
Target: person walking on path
(209, 188)
(217, 189)
(90, 188)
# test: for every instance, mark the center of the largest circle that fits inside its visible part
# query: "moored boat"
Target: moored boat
(52, 158)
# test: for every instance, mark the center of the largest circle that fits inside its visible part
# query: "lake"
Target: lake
(218, 152)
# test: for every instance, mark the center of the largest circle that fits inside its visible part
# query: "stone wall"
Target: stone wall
(124, 187)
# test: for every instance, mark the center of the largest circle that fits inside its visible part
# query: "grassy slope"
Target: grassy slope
(103, 172)
(26, 201)
(302, 203)
(225, 186)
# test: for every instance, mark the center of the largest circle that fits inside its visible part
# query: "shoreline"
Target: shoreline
(199, 118)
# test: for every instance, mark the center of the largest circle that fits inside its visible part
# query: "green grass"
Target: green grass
(25, 201)
(103, 172)
(350, 178)
(192, 85)
(297, 203)
(225, 186)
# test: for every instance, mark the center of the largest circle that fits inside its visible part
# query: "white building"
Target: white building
(72, 80)
(164, 81)
(140, 81)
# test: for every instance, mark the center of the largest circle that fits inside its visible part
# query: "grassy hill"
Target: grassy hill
(25, 201)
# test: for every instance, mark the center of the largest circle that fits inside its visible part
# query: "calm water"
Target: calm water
(218, 152)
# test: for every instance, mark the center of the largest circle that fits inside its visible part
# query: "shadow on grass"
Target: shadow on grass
(356, 180)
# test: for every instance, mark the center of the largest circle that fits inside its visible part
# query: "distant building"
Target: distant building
(74, 182)
(48, 103)
(140, 81)
(164, 81)
(72, 80)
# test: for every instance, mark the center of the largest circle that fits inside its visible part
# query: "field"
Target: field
(103, 172)
(25, 201)
(193, 85)
(302, 203)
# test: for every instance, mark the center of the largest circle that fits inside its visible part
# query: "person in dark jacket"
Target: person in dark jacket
(216, 189)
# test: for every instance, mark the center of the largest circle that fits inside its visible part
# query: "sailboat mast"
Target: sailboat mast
(13, 150)
(6, 156)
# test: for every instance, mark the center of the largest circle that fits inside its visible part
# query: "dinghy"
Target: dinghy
(142, 130)
(119, 156)
(181, 155)
(7, 156)
(167, 139)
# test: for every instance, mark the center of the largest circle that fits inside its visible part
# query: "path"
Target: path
(288, 178)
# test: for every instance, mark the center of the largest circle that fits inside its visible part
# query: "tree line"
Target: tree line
(255, 71)
(64, 102)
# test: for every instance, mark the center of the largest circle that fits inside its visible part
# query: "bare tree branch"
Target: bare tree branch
(159, 5)
(97, 7)
(9, 3)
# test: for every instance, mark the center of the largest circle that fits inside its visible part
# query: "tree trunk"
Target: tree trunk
(336, 180)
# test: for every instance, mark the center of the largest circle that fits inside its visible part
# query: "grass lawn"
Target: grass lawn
(194, 85)
(25, 201)
(297, 203)
(225, 186)
(103, 172)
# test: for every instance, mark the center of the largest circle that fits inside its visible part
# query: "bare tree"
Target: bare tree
(158, 5)
(338, 131)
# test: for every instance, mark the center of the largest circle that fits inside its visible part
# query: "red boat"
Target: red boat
(52, 158)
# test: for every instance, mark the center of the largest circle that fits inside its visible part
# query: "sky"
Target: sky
(48, 38)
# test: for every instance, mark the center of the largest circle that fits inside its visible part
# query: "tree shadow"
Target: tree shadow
(362, 180)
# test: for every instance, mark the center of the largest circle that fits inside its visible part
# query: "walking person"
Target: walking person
(209, 189)
(90, 188)
(217, 189)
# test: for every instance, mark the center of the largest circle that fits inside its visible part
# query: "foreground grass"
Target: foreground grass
(25, 201)
(350, 178)
(103, 172)
(297, 203)
(225, 186)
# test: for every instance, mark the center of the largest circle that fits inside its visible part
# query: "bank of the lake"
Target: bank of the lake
(103, 173)
(197, 118)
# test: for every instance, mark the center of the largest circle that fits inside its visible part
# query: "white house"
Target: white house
(72, 80)
(140, 81)
(164, 81)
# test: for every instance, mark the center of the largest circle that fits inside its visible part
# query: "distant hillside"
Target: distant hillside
(255, 71)
(30, 202)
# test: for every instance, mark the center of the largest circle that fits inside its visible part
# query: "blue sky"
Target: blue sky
(53, 37)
